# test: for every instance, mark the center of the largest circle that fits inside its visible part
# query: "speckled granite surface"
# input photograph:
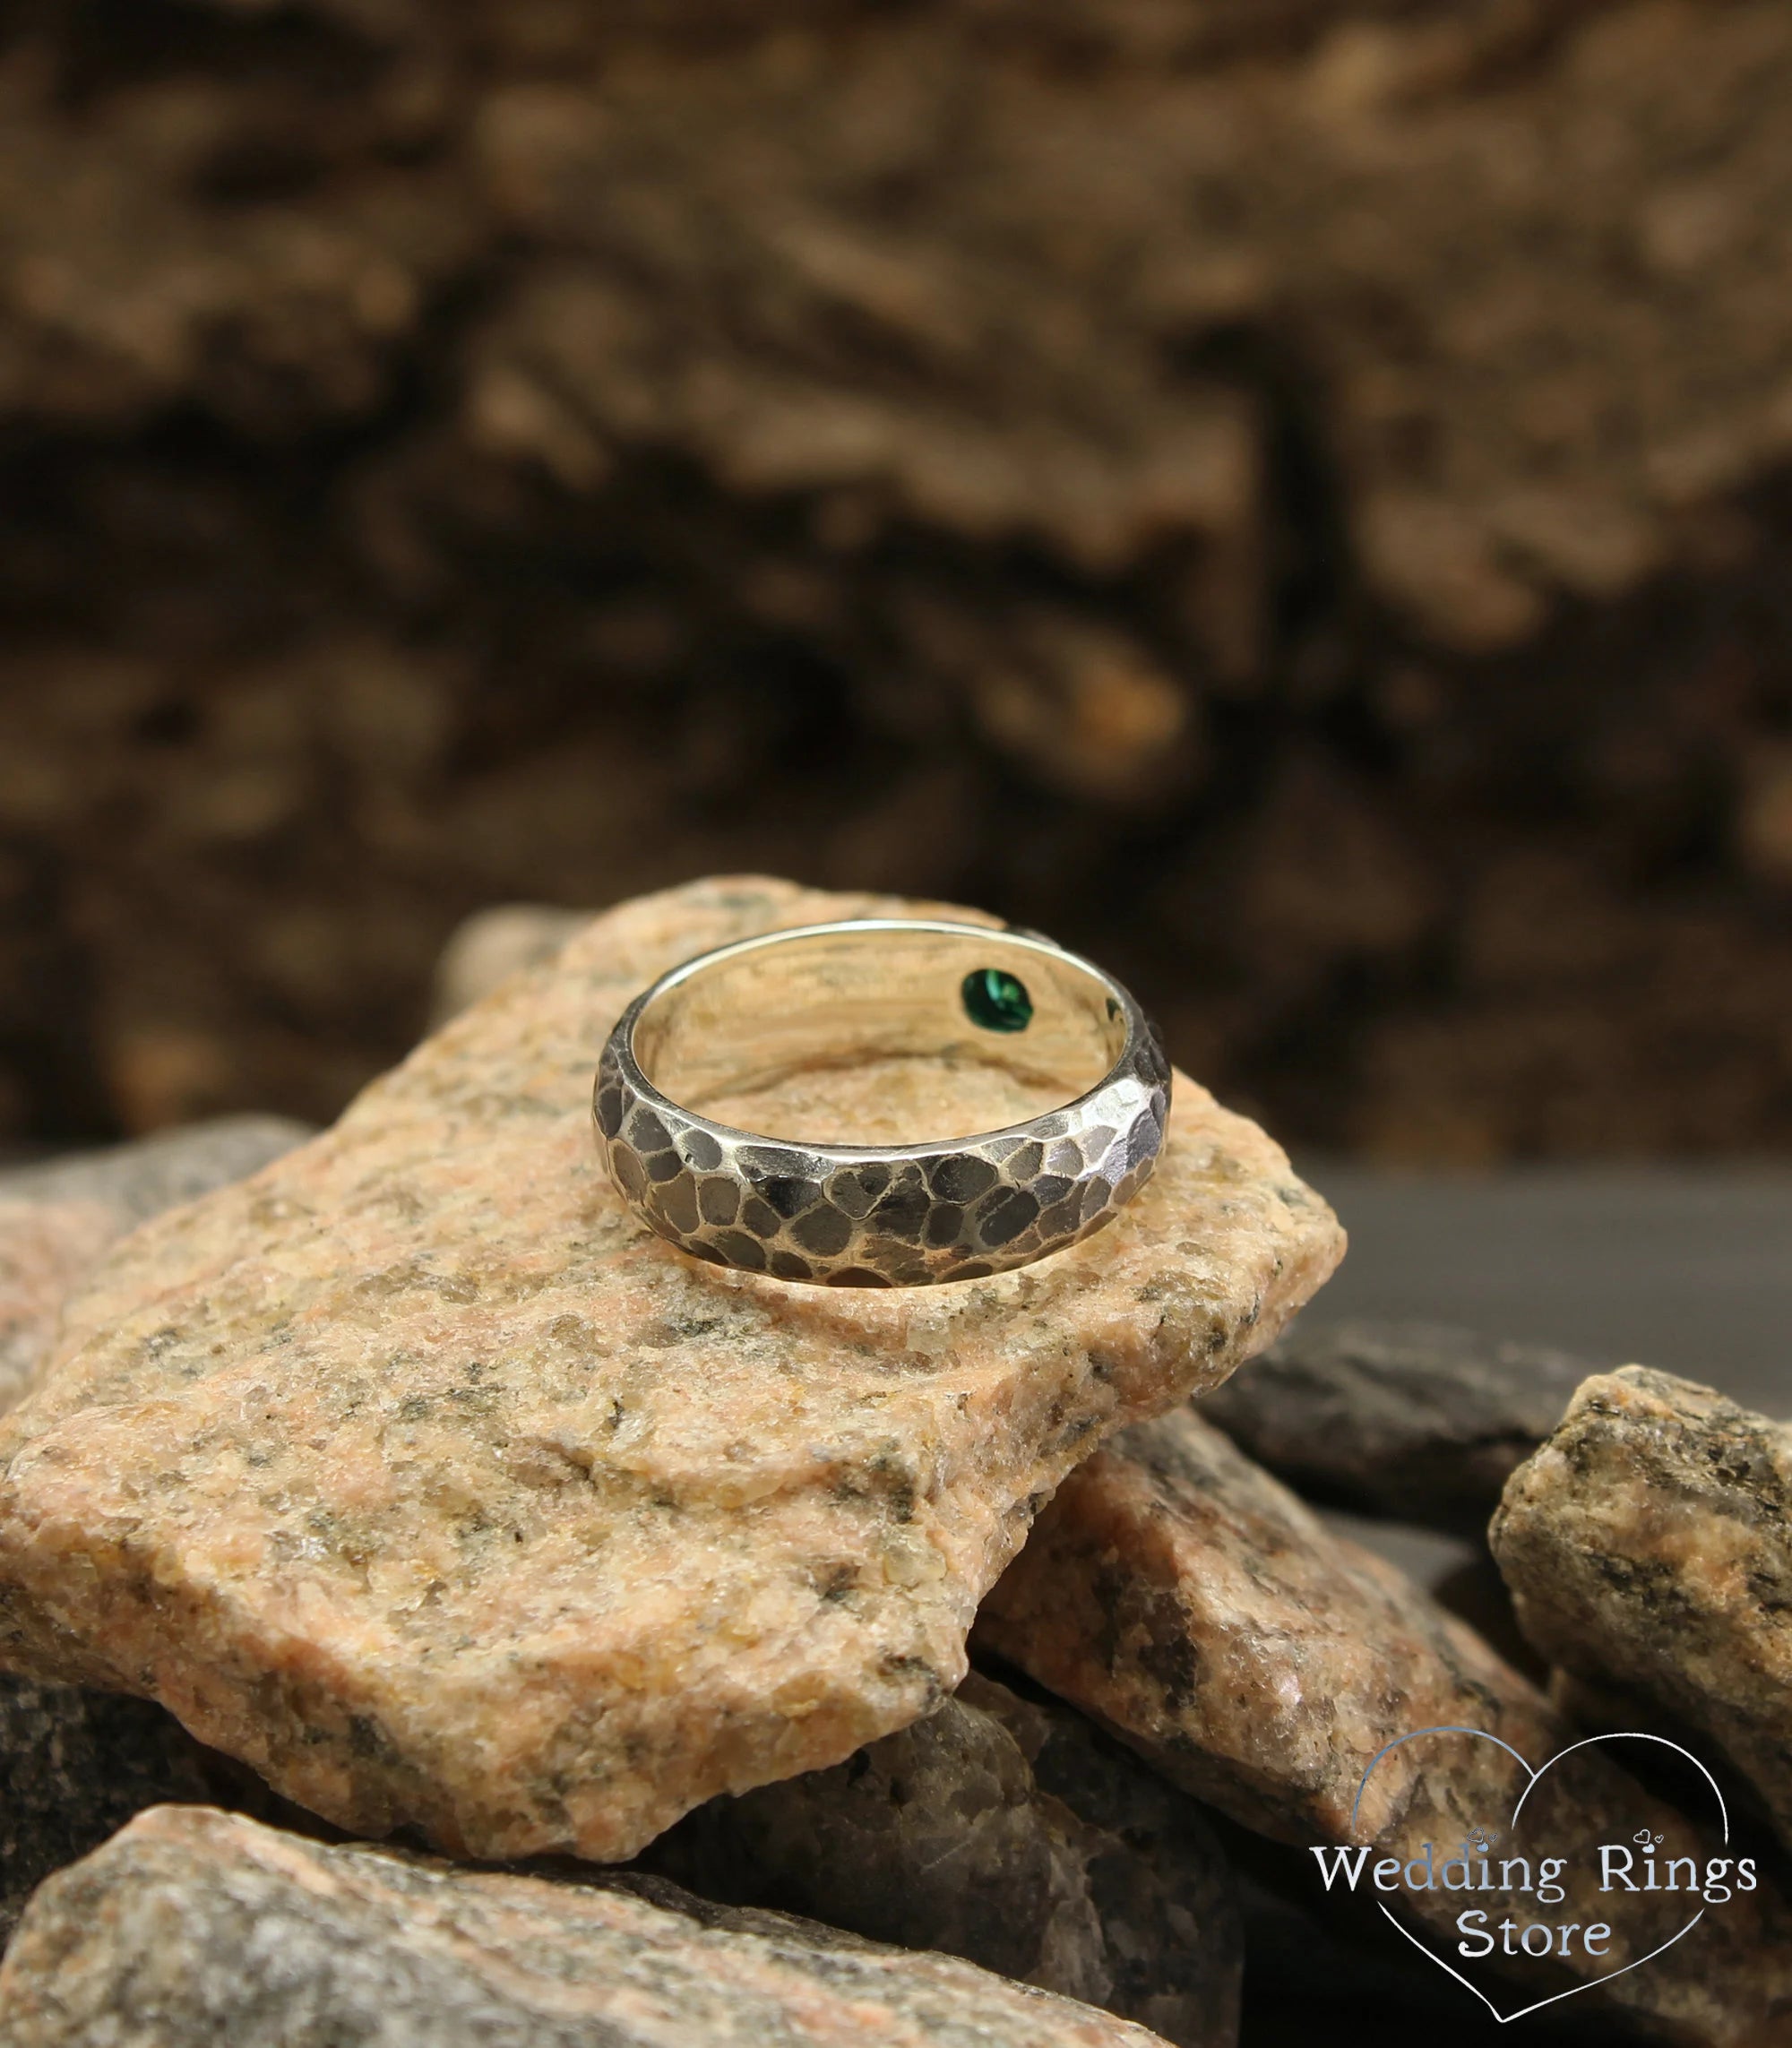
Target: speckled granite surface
(57, 1217)
(418, 1474)
(191, 1926)
(1178, 1593)
(1649, 1543)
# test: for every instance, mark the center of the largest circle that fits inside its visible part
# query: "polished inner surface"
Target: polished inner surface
(865, 1036)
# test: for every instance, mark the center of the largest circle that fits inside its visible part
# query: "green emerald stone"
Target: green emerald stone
(996, 1001)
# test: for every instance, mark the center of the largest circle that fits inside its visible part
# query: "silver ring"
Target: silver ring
(797, 1004)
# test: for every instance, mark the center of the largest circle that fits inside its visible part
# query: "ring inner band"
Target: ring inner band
(751, 1037)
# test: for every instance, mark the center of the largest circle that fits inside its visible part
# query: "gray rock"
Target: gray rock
(74, 1766)
(58, 1217)
(142, 1179)
(192, 1926)
(1417, 1421)
(1647, 1545)
(491, 945)
(1006, 1831)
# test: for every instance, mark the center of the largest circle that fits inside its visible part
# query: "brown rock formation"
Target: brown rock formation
(416, 1473)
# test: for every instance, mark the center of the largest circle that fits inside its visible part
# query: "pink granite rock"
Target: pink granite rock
(1177, 1593)
(1647, 1545)
(419, 1475)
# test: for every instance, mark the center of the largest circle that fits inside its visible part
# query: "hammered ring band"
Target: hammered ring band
(879, 993)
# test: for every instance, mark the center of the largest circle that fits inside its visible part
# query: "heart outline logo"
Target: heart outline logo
(1532, 1779)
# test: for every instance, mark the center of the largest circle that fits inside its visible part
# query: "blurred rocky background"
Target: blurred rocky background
(1294, 495)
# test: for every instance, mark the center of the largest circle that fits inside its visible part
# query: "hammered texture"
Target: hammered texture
(868, 1218)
